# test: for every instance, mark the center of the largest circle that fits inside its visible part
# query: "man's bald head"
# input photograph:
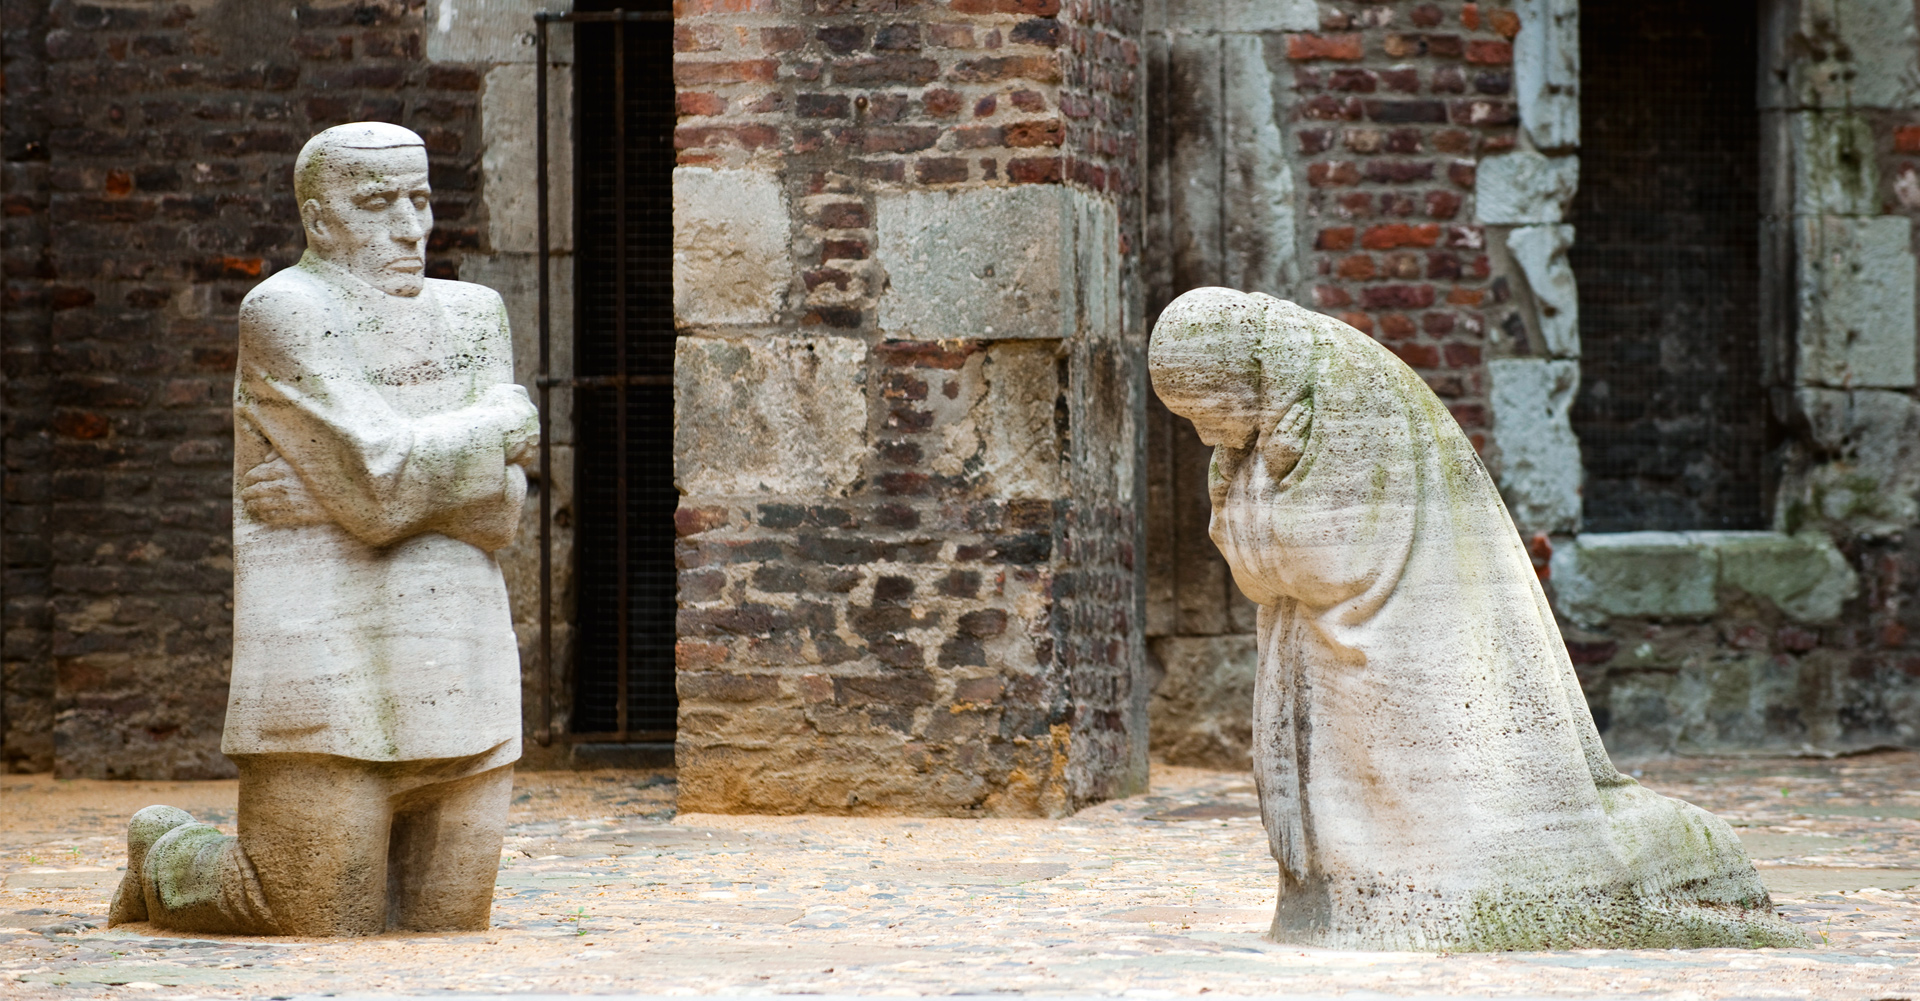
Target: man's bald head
(365, 203)
(343, 149)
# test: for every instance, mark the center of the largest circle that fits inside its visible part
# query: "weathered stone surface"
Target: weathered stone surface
(1803, 575)
(1524, 188)
(1834, 166)
(1257, 197)
(1678, 575)
(1541, 252)
(1005, 443)
(1202, 709)
(1546, 67)
(1231, 15)
(1856, 302)
(777, 415)
(1354, 510)
(510, 164)
(1539, 470)
(995, 262)
(490, 31)
(1655, 574)
(732, 260)
(1879, 41)
(379, 454)
(1858, 472)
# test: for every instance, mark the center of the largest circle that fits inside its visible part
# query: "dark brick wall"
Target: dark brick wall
(26, 671)
(1672, 415)
(150, 187)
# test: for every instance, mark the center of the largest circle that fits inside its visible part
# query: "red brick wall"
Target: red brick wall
(150, 187)
(1395, 106)
(896, 92)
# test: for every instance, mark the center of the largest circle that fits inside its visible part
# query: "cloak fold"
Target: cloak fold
(379, 630)
(1429, 774)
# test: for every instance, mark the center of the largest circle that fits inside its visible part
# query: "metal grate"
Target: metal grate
(624, 495)
(1671, 414)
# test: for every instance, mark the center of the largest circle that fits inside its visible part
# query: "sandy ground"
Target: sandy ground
(604, 889)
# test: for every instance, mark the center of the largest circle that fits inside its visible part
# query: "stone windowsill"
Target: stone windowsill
(1684, 575)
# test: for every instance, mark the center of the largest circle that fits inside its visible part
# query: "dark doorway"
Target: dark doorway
(623, 356)
(1671, 414)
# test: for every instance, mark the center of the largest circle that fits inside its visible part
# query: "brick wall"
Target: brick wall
(1396, 104)
(149, 188)
(1373, 119)
(26, 672)
(950, 628)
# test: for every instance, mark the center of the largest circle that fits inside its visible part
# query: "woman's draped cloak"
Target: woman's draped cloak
(381, 633)
(1430, 776)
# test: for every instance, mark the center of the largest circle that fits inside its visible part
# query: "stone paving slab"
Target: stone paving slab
(604, 890)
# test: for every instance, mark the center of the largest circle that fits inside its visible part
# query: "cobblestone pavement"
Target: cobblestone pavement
(605, 890)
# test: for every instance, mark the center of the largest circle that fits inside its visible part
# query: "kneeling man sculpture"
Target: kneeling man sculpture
(1429, 775)
(379, 454)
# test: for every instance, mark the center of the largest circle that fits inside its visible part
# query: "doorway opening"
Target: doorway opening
(624, 497)
(1672, 412)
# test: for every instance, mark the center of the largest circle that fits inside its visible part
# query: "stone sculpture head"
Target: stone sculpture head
(1231, 362)
(364, 202)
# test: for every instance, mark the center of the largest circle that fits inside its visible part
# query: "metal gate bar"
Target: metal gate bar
(545, 380)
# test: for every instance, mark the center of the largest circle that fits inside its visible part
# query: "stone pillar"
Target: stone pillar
(906, 396)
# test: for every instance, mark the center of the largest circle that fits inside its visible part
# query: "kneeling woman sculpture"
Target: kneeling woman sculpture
(1429, 775)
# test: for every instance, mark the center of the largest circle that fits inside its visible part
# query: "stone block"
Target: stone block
(1803, 575)
(491, 31)
(769, 416)
(732, 262)
(1201, 712)
(1541, 253)
(994, 263)
(1856, 303)
(509, 166)
(1525, 188)
(1884, 51)
(1020, 448)
(1546, 69)
(1650, 574)
(995, 420)
(1257, 208)
(1859, 470)
(1677, 575)
(1540, 467)
(1800, 50)
(1834, 164)
(1231, 15)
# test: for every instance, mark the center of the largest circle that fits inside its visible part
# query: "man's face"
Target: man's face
(373, 217)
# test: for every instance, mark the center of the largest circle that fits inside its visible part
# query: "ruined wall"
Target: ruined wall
(1324, 153)
(149, 151)
(1801, 637)
(1448, 136)
(905, 394)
